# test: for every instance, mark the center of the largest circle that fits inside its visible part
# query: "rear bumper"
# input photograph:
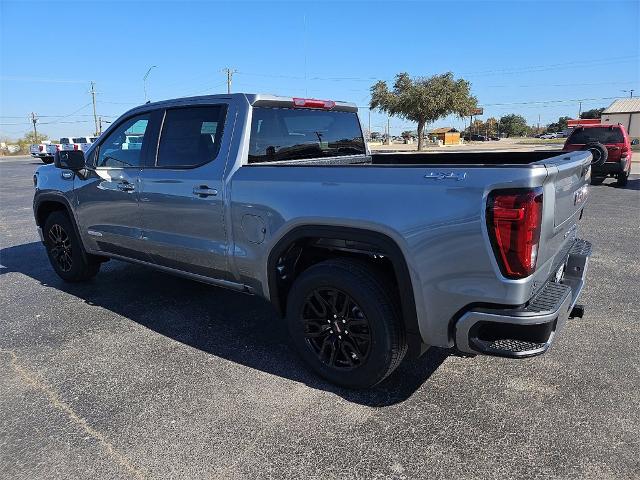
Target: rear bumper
(529, 329)
(609, 168)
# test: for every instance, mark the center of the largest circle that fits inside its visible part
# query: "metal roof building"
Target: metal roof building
(625, 111)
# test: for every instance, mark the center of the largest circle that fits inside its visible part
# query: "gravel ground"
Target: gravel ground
(138, 374)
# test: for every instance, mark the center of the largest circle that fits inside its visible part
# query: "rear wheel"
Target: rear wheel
(66, 253)
(623, 178)
(344, 323)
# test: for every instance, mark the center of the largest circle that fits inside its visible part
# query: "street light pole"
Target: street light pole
(144, 81)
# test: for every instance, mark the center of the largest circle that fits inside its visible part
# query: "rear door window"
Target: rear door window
(190, 136)
(596, 134)
(294, 134)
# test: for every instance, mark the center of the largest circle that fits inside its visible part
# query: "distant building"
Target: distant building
(625, 111)
(446, 135)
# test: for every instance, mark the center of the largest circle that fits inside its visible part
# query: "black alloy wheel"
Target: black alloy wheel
(61, 249)
(336, 329)
(344, 321)
(65, 250)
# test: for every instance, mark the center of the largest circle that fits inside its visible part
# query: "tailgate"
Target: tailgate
(565, 192)
(570, 175)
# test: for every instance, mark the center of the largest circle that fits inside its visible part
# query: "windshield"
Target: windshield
(597, 134)
(65, 140)
(294, 134)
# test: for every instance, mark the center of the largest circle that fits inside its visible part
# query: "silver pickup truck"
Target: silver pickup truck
(369, 258)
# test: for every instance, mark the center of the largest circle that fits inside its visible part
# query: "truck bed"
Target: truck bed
(462, 158)
(400, 159)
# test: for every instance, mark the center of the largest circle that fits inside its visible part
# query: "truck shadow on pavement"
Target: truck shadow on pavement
(632, 184)
(234, 326)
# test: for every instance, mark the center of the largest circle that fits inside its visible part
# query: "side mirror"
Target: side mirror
(70, 160)
(635, 141)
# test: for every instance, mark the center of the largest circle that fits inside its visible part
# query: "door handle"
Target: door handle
(126, 187)
(203, 191)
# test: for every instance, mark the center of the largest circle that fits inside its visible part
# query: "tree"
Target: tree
(424, 99)
(408, 134)
(30, 138)
(476, 127)
(491, 126)
(513, 125)
(593, 113)
(558, 126)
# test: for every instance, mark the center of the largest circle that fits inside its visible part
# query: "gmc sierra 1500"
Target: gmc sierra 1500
(369, 257)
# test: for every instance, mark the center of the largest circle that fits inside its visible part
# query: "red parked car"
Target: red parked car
(611, 149)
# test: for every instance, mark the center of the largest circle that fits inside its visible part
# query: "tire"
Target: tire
(623, 178)
(334, 299)
(599, 152)
(65, 251)
(47, 160)
(597, 180)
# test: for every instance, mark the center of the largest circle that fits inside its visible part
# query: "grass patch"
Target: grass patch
(540, 141)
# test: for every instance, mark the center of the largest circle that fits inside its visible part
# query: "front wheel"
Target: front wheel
(344, 323)
(66, 253)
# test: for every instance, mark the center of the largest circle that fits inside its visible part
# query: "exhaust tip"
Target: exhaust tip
(577, 311)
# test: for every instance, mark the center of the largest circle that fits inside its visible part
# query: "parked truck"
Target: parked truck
(76, 143)
(42, 151)
(369, 258)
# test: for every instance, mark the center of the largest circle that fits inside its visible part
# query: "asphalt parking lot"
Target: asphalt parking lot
(139, 374)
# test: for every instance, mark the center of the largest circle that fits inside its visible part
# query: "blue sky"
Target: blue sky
(514, 53)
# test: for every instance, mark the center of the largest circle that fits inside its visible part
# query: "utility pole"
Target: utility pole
(93, 99)
(369, 124)
(99, 125)
(538, 123)
(388, 130)
(580, 109)
(229, 73)
(34, 120)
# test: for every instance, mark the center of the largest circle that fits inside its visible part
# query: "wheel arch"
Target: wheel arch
(381, 242)
(46, 203)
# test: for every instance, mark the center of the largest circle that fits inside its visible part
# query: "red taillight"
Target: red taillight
(75, 146)
(624, 151)
(57, 148)
(513, 221)
(41, 147)
(313, 103)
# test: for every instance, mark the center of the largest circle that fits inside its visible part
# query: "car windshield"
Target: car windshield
(597, 134)
(65, 140)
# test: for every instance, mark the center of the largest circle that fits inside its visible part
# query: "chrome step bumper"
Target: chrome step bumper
(527, 330)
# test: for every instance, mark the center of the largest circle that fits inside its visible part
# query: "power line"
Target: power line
(546, 101)
(531, 68)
